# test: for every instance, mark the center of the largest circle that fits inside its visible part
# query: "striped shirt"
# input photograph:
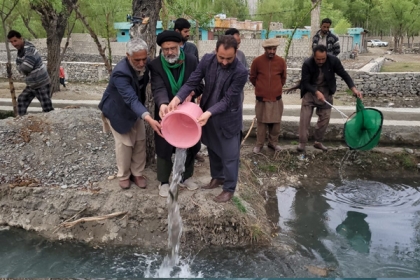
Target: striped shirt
(29, 63)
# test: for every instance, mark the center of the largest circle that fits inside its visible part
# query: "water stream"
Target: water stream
(174, 216)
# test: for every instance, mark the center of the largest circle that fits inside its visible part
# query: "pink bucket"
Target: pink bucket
(180, 127)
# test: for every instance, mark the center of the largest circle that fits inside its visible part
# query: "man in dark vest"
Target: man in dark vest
(169, 71)
(124, 113)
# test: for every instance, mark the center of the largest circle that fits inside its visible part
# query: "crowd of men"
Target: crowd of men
(216, 83)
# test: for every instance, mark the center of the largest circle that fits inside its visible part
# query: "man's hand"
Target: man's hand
(357, 92)
(173, 104)
(202, 120)
(154, 124)
(163, 110)
(320, 96)
(190, 97)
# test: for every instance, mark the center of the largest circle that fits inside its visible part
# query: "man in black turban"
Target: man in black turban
(169, 71)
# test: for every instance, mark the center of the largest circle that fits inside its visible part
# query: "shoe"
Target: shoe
(164, 190)
(301, 147)
(125, 184)
(140, 181)
(275, 148)
(318, 145)
(223, 197)
(199, 158)
(257, 150)
(189, 184)
(214, 183)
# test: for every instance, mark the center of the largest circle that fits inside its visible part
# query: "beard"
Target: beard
(141, 70)
(171, 58)
(225, 66)
(185, 39)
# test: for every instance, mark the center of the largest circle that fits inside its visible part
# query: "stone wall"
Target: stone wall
(371, 83)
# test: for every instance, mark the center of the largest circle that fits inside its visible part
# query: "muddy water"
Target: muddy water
(356, 229)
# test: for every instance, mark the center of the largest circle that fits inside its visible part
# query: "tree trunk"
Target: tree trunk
(54, 24)
(95, 38)
(4, 15)
(315, 14)
(147, 31)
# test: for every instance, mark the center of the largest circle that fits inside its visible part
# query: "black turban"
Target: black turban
(168, 36)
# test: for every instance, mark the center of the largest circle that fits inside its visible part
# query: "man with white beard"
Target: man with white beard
(169, 71)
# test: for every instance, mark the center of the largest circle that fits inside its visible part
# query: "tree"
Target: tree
(284, 11)
(6, 10)
(341, 27)
(54, 16)
(315, 13)
(95, 38)
(232, 8)
(173, 9)
(401, 16)
(146, 29)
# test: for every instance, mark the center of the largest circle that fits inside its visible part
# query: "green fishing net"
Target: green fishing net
(363, 129)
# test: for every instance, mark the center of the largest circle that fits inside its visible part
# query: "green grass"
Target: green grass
(401, 67)
(5, 114)
(406, 161)
(237, 201)
(294, 143)
(267, 168)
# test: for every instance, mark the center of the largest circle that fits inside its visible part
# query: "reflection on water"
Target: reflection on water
(356, 230)
(361, 228)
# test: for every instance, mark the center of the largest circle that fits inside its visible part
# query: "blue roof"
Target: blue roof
(122, 25)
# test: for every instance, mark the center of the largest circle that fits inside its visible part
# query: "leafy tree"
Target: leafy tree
(173, 9)
(401, 17)
(341, 27)
(232, 8)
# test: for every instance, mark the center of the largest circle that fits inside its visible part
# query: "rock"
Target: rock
(129, 195)
(410, 151)
(418, 165)
(112, 177)
(4, 228)
(321, 272)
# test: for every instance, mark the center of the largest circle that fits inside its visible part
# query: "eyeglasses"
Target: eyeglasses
(172, 49)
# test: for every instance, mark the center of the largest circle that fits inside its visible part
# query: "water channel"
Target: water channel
(356, 228)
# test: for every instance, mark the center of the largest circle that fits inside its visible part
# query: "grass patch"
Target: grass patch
(267, 168)
(256, 233)
(6, 114)
(406, 161)
(294, 143)
(238, 203)
(401, 67)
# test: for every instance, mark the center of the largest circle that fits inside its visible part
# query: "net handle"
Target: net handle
(342, 114)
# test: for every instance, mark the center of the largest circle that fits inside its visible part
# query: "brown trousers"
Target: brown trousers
(273, 133)
(323, 112)
(130, 150)
(268, 115)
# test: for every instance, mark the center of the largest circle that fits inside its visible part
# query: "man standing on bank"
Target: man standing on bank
(225, 78)
(182, 26)
(268, 75)
(124, 113)
(29, 63)
(326, 38)
(318, 85)
(169, 71)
